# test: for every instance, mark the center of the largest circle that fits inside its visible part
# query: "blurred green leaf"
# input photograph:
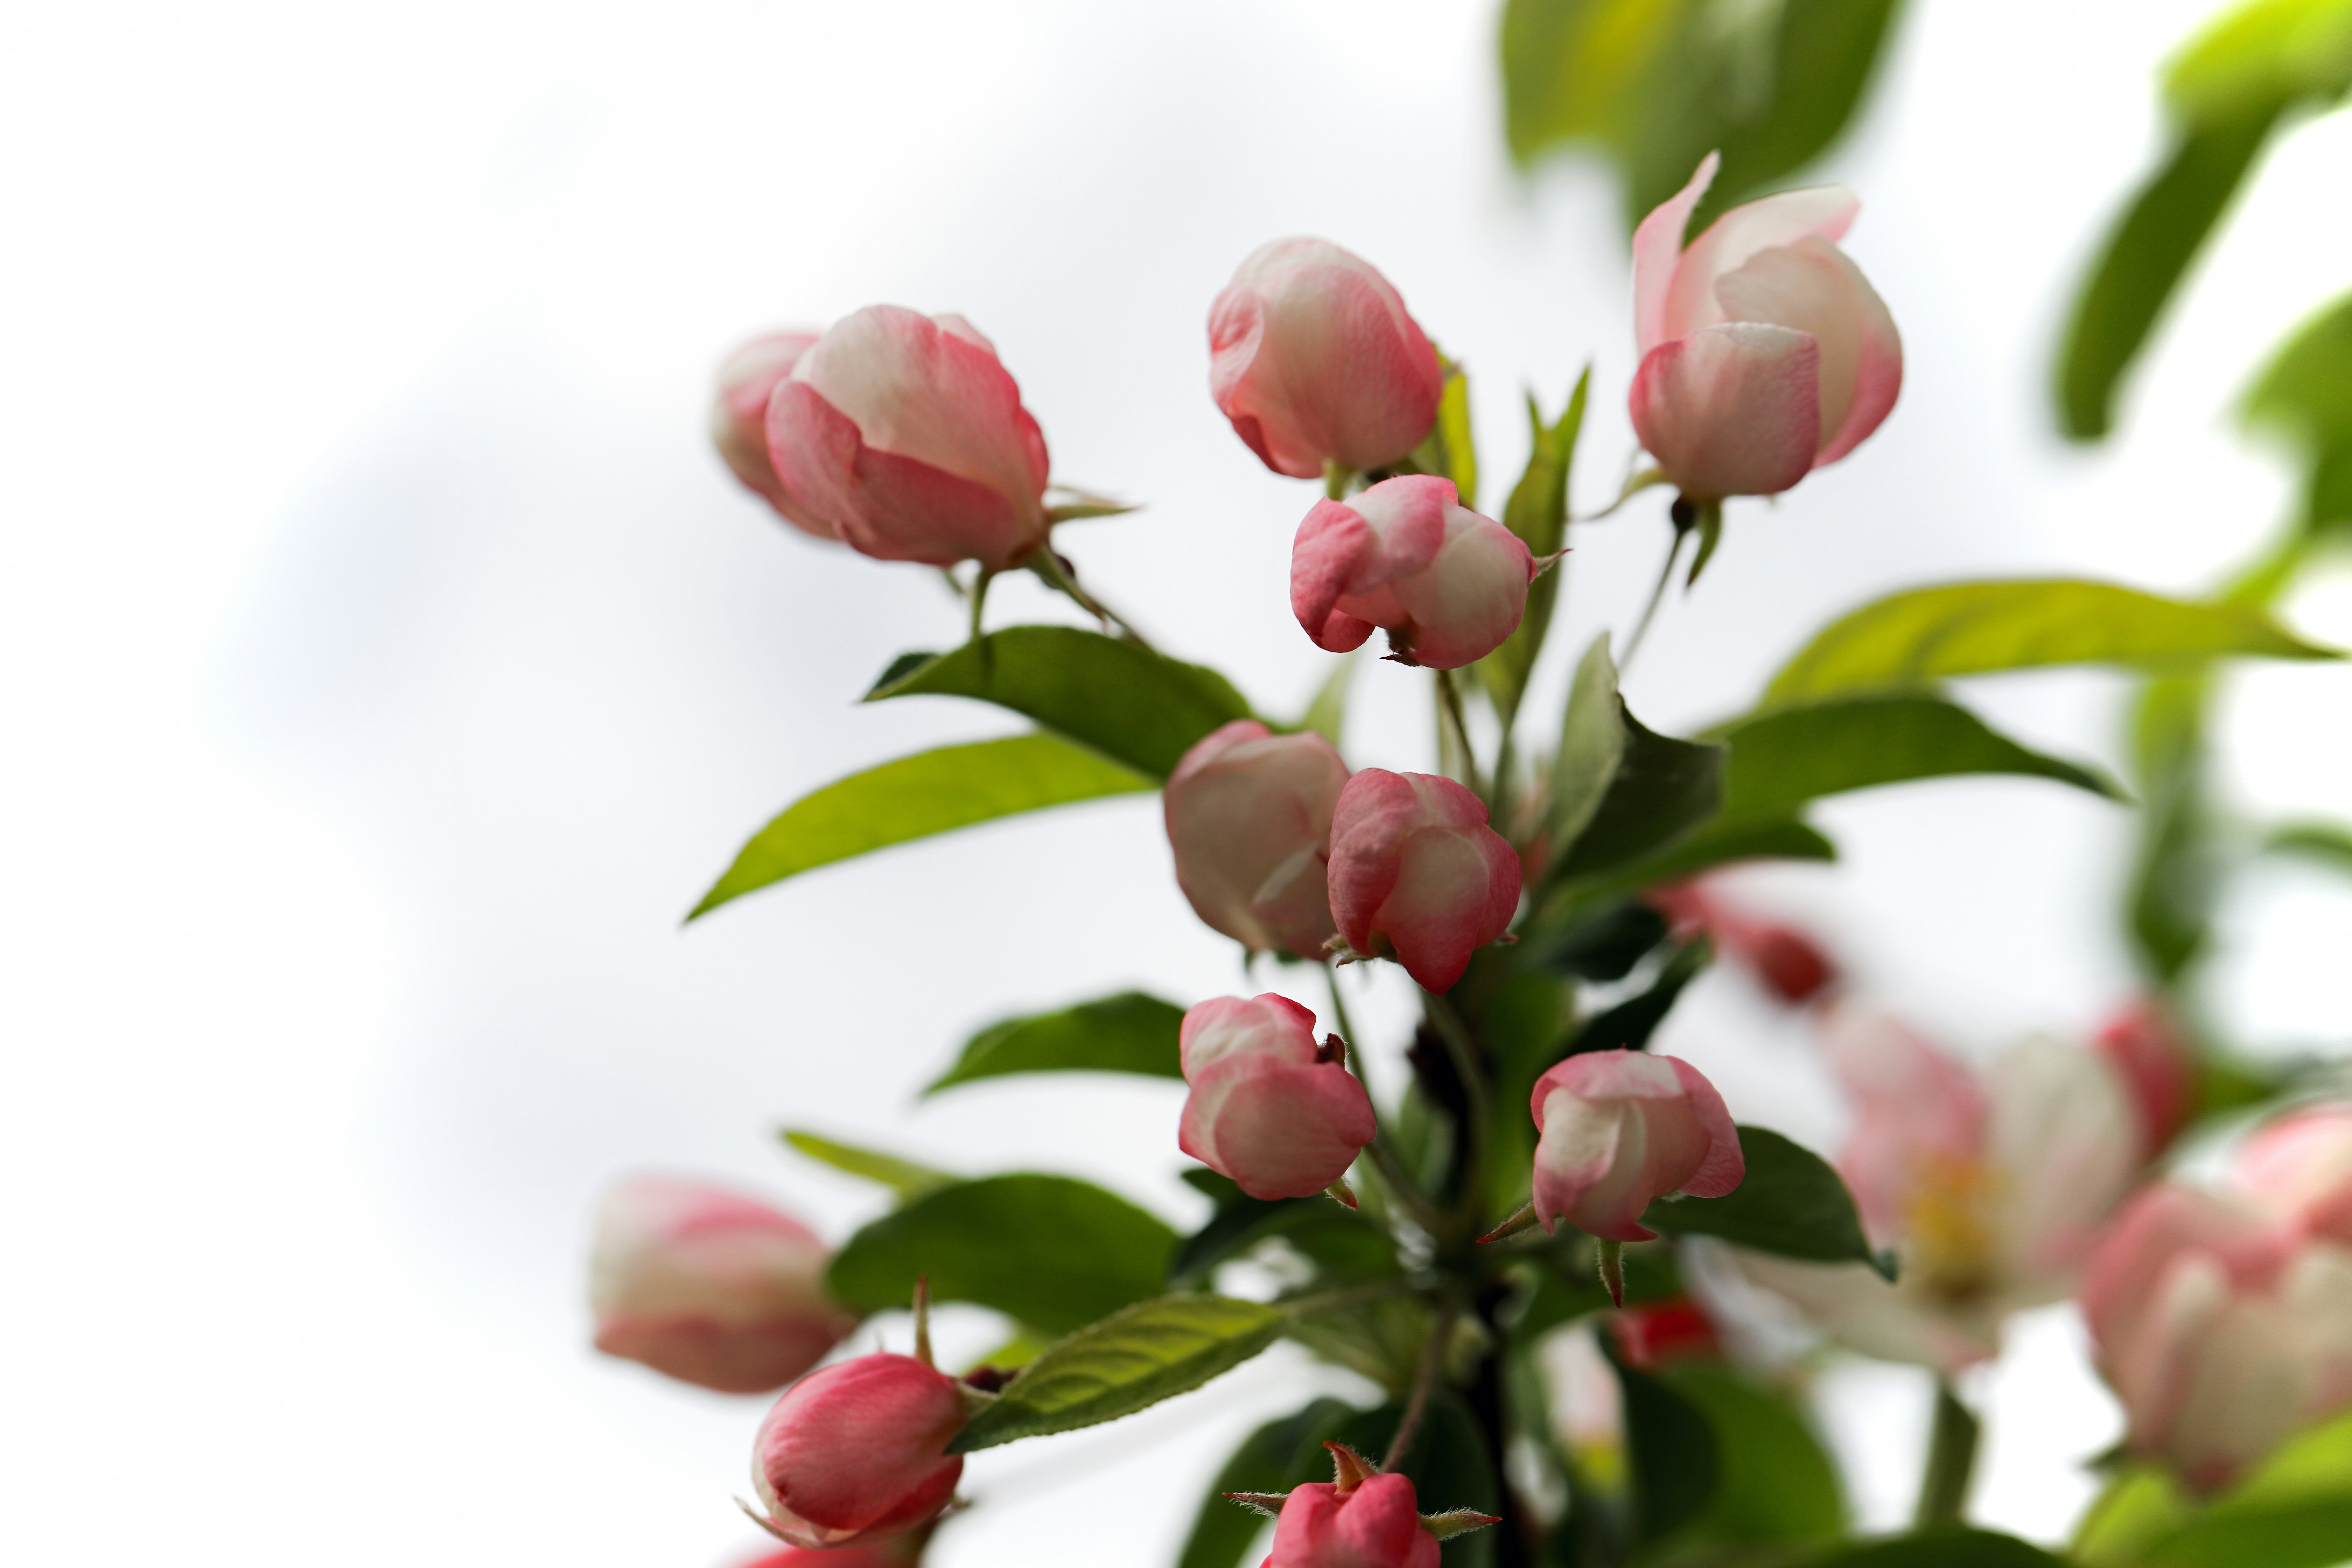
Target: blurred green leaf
(1658, 84)
(1051, 1252)
(1786, 756)
(1537, 513)
(1777, 1486)
(1947, 1547)
(1129, 1033)
(1671, 1450)
(1723, 844)
(1450, 451)
(1343, 1243)
(2140, 1505)
(2177, 874)
(2320, 843)
(2267, 51)
(2305, 395)
(1657, 790)
(903, 1177)
(1628, 1026)
(1328, 714)
(1131, 1360)
(1603, 944)
(1923, 635)
(1790, 1203)
(1275, 1458)
(2294, 1511)
(1125, 702)
(1591, 743)
(915, 797)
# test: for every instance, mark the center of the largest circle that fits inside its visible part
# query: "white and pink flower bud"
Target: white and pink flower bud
(1249, 818)
(1373, 1524)
(2155, 1064)
(1268, 1108)
(888, 1554)
(709, 1287)
(1619, 1129)
(2299, 1166)
(857, 1452)
(1765, 353)
(1446, 583)
(1314, 359)
(747, 378)
(2222, 1327)
(1417, 875)
(904, 434)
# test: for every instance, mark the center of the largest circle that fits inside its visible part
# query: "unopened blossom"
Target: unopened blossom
(1249, 819)
(1365, 1518)
(1619, 1129)
(2299, 1166)
(2223, 1324)
(1784, 960)
(2147, 1049)
(857, 1452)
(1989, 1187)
(904, 434)
(1314, 360)
(1447, 584)
(709, 1287)
(887, 1554)
(1268, 1108)
(747, 378)
(1417, 875)
(1765, 353)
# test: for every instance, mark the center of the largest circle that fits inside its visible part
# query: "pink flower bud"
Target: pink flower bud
(2222, 1328)
(1314, 359)
(1618, 1131)
(709, 1287)
(1373, 1524)
(1417, 875)
(1788, 962)
(858, 1452)
(1765, 353)
(2300, 1166)
(887, 1556)
(1268, 1107)
(2148, 1054)
(739, 419)
(1651, 1334)
(1249, 818)
(1447, 584)
(904, 434)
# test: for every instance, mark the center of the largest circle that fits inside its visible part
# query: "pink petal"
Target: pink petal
(1811, 287)
(1724, 1165)
(1827, 211)
(1658, 254)
(1456, 891)
(1375, 812)
(1407, 516)
(1468, 601)
(1268, 1028)
(883, 505)
(1730, 410)
(1331, 546)
(1278, 1131)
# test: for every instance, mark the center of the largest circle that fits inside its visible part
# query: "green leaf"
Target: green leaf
(1776, 1487)
(1133, 1359)
(1723, 844)
(1537, 513)
(2177, 873)
(1129, 1033)
(1629, 1025)
(903, 1177)
(2304, 397)
(915, 797)
(1049, 1251)
(1450, 451)
(2319, 843)
(1125, 702)
(1591, 743)
(1328, 714)
(2265, 51)
(1671, 1450)
(1923, 635)
(1275, 1458)
(1791, 1203)
(1603, 945)
(1784, 757)
(2294, 1511)
(1950, 1548)
(1657, 792)
(2141, 1506)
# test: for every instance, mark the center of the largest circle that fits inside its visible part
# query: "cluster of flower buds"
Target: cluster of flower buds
(2223, 1318)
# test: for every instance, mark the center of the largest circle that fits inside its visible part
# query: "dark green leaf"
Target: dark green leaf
(1951, 1548)
(1591, 743)
(1450, 452)
(1921, 635)
(1275, 1458)
(1052, 1252)
(1776, 1486)
(1791, 1203)
(1605, 943)
(1565, 1284)
(1131, 705)
(1722, 844)
(1628, 1026)
(1448, 1467)
(2177, 874)
(1784, 757)
(1537, 513)
(1660, 791)
(2306, 397)
(1129, 1033)
(914, 797)
(1133, 1359)
(1671, 1450)
(904, 1177)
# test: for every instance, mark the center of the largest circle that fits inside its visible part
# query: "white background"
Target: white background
(385, 665)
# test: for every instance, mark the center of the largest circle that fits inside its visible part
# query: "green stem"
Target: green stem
(1402, 1187)
(1467, 1068)
(1658, 596)
(1449, 697)
(1335, 476)
(1951, 1460)
(1424, 1379)
(1048, 565)
(978, 598)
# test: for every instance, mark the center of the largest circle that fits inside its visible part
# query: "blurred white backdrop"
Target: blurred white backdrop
(385, 665)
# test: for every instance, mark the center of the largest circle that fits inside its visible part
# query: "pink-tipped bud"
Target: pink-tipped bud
(1249, 818)
(1784, 960)
(1619, 1129)
(1765, 353)
(747, 378)
(1314, 359)
(903, 433)
(1446, 583)
(2300, 1167)
(1268, 1108)
(1417, 875)
(857, 1452)
(709, 1287)
(1374, 1523)
(2148, 1054)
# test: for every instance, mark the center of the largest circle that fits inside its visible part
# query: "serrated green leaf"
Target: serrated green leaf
(903, 1177)
(1051, 1252)
(1790, 1203)
(1921, 635)
(1133, 1359)
(1275, 1458)
(1776, 1486)
(1784, 757)
(915, 797)
(1947, 1547)
(1123, 700)
(1129, 1033)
